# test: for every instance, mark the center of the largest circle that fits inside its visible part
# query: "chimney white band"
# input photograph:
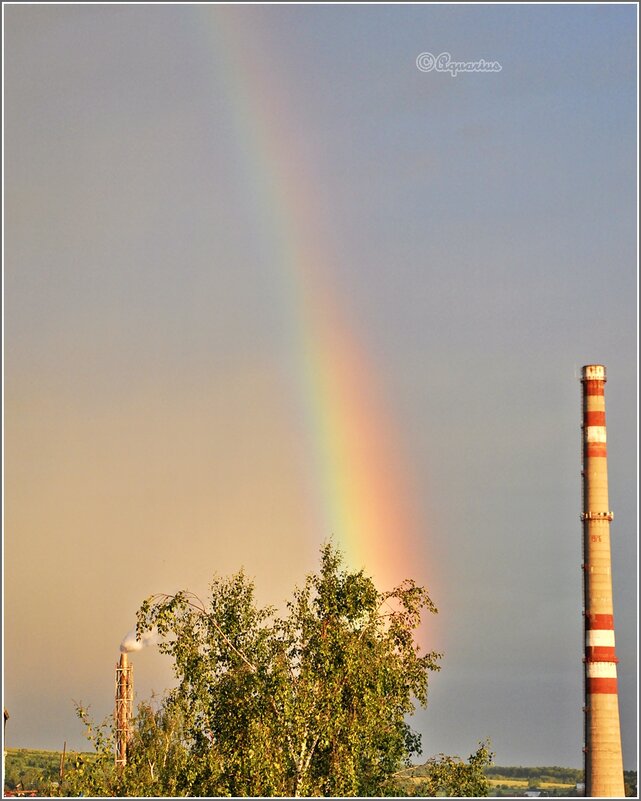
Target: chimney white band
(594, 372)
(595, 434)
(602, 670)
(600, 637)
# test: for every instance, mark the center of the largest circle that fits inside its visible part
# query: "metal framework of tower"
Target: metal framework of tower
(124, 708)
(603, 760)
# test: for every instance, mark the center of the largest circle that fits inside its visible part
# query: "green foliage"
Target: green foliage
(311, 703)
(450, 776)
(630, 782)
(31, 770)
(92, 774)
(156, 756)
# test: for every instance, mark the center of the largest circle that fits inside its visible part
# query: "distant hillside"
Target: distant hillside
(27, 769)
(553, 774)
(551, 781)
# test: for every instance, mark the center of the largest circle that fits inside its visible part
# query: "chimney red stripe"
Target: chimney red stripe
(595, 621)
(608, 686)
(600, 653)
(594, 419)
(595, 387)
(596, 449)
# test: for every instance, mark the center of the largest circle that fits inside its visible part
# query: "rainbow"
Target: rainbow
(362, 499)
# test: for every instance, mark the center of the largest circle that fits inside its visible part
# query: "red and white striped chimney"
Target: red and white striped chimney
(602, 748)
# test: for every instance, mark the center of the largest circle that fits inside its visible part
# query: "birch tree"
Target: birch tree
(312, 702)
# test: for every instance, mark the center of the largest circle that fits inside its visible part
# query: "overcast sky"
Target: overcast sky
(210, 212)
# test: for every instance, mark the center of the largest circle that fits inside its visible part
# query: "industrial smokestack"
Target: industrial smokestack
(603, 760)
(124, 707)
(125, 689)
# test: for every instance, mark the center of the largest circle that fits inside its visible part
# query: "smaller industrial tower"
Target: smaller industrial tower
(124, 708)
(602, 739)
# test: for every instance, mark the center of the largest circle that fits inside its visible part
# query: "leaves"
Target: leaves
(313, 702)
(450, 776)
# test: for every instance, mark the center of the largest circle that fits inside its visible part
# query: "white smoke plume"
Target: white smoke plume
(130, 643)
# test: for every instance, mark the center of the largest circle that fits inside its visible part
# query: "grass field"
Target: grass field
(523, 784)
